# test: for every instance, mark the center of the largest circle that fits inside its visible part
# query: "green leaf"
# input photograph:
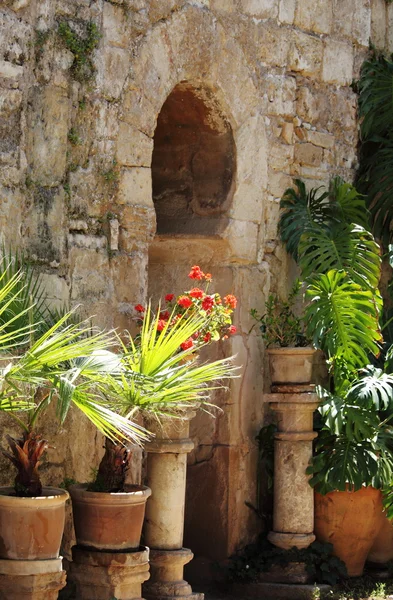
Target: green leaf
(342, 318)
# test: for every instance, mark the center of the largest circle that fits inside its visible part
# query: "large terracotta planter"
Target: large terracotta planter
(349, 521)
(382, 549)
(291, 365)
(31, 528)
(109, 521)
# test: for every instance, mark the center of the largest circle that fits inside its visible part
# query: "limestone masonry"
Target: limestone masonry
(138, 138)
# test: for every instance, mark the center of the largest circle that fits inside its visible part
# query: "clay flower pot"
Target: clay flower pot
(291, 365)
(382, 549)
(349, 520)
(31, 528)
(109, 521)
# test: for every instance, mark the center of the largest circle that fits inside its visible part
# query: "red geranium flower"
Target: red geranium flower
(196, 273)
(208, 303)
(169, 297)
(196, 293)
(232, 329)
(140, 308)
(184, 301)
(208, 276)
(164, 315)
(230, 300)
(187, 344)
(161, 324)
(207, 337)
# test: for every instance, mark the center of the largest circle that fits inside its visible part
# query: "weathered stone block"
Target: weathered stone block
(305, 54)
(286, 12)
(134, 148)
(56, 289)
(361, 31)
(261, 8)
(280, 156)
(389, 29)
(308, 154)
(278, 183)
(251, 147)
(273, 44)
(138, 224)
(115, 26)
(135, 187)
(281, 95)
(137, 110)
(48, 124)
(378, 23)
(337, 62)
(324, 140)
(315, 15)
(10, 71)
(287, 130)
(112, 70)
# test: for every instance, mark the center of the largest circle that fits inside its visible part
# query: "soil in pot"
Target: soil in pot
(349, 520)
(291, 365)
(109, 521)
(31, 528)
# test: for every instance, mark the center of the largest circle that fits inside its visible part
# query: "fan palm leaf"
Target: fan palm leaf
(157, 377)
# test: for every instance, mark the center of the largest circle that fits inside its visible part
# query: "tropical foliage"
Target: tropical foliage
(340, 265)
(326, 232)
(375, 176)
(156, 378)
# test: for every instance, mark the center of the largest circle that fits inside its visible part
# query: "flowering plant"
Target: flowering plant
(216, 311)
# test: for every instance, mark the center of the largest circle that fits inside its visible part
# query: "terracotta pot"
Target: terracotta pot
(31, 528)
(349, 521)
(109, 521)
(382, 549)
(291, 365)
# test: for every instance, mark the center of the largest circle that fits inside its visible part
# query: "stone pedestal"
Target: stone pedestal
(107, 575)
(293, 514)
(31, 579)
(164, 523)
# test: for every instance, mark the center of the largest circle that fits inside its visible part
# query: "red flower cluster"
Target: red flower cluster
(216, 312)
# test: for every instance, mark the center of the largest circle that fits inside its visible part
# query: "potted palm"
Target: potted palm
(65, 365)
(327, 233)
(158, 377)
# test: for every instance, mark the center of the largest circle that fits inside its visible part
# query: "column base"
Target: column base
(31, 579)
(167, 581)
(103, 575)
(290, 540)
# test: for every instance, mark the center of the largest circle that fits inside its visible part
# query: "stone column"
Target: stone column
(293, 512)
(31, 579)
(103, 575)
(164, 523)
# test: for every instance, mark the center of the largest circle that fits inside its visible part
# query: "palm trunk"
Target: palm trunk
(111, 475)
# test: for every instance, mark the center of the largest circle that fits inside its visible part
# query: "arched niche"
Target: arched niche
(193, 164)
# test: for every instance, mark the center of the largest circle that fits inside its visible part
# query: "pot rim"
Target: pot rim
(51, 496)
(79, 492)
(292, 350)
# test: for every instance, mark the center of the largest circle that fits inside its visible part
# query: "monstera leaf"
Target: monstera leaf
(376, 131)
(301, 210)
(342, 318)
(342, 247)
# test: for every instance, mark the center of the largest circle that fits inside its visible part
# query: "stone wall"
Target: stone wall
(82, 85)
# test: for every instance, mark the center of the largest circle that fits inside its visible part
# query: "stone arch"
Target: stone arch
(193, 163)
(191, 46)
